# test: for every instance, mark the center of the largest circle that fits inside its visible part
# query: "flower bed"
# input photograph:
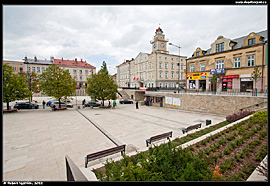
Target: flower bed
(230, 155)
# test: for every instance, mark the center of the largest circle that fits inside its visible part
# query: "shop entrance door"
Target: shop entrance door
(202, 84)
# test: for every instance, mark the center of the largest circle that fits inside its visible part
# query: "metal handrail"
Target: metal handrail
(73, 172)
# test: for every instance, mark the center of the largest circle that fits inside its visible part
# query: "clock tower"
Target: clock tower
(159, 43)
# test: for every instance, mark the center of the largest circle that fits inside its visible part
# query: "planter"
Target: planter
(104, 106)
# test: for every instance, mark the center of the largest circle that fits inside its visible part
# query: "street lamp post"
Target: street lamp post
(178, 65)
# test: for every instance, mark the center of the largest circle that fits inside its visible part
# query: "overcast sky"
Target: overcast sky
(115, 33)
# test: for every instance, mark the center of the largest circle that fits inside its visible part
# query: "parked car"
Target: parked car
(92, 104)
(25, 105)
(56, 103)
(125, 101)
(69, 105)
(49, 102)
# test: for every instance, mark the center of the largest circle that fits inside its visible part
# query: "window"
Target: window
(166, 75)
(237, 62)
(197, 54)
(182, 66)
(220, 47)
(160, 64)
(251, 41)
(74, 72)
(43, 69)
(14, 68)
(160, 74)
(33, 69)
(172, 59)
(202, 67)
(86, 71)
(166, 85)
(220, 64)
(250, 61)
(192, 68)
(160, 85)
(38, 69)
(75, 77)
(80, 71)
(172, 85)
(166, 65)
(172, 66)
(172, 75)
(28, 68)
(80, 77)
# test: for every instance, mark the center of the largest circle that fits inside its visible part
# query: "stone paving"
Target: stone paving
(35, 142)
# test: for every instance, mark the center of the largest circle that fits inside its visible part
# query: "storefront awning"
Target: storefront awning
(153, 95)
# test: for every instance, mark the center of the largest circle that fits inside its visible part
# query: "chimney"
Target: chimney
(81, 60)
(62, 58)
(35, 57)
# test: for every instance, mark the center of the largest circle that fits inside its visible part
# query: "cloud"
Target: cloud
(116, 33)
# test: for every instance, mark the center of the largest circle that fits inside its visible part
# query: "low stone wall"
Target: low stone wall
(217, 104)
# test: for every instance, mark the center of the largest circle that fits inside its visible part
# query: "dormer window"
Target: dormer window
(220, 47)
(251, 41)
(197, 54)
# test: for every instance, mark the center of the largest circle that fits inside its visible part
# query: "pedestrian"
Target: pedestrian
(43, 103)
(83, 102)
(114, 103)
(137, 105)
(109, 103)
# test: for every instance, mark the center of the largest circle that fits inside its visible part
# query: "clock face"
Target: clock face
(155, 45)
(162, 45)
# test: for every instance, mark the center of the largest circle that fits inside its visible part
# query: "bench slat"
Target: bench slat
(191, 128)
(104, 153)
(158, 137)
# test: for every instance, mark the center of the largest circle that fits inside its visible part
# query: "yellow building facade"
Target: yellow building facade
(233, 61)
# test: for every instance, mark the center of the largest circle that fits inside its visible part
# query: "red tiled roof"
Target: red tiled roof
(75, 62)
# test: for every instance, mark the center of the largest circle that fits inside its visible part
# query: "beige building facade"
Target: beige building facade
(233, 60)
(157, 69)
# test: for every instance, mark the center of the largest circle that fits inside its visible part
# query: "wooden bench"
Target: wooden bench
(158, 137)
(62, 108)
(191, 128)
(104, 153)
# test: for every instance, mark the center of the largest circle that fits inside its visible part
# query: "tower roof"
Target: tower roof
(159, 30)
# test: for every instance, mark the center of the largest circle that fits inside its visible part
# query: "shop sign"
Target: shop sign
(143, 88)
(247, 79)
(217, 71)
(227, 80)
(230, 76)
(193, 76)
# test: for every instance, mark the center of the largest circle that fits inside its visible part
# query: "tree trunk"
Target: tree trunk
(59, 103)
(7, 105)
(102, 102)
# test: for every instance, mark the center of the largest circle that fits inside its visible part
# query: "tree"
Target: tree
(256, 75)
(57, 82)
(32, 81)
(104, 67)
(14, 86)
(101, 86)
(214, 82)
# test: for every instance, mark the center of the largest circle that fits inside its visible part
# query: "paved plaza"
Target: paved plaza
(35, 142)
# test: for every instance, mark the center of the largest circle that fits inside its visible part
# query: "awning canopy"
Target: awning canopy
(154, 95)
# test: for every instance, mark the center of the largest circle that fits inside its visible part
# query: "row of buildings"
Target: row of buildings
(232, 60)
(80, 70)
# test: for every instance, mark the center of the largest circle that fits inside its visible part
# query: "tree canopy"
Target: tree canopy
(14, 86)
(57, 82)
(101, 86)
(104, 67)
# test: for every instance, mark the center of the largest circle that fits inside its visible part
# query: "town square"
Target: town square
(134, 93)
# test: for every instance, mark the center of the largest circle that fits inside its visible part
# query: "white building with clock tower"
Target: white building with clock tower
(157, 69)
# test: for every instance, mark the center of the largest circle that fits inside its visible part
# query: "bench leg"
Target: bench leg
(147, 142)
(86, 162)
